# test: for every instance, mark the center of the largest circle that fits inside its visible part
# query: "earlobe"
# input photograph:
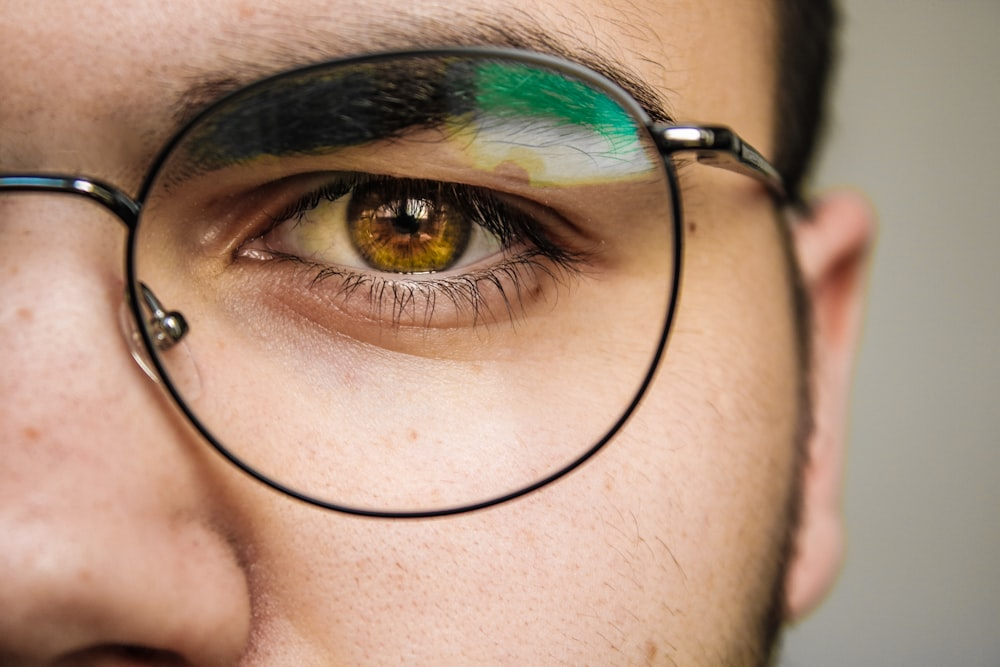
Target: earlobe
(832, 248)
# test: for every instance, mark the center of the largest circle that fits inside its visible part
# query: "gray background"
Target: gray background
(917, 113)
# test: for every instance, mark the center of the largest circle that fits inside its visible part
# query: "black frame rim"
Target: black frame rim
(528, 57)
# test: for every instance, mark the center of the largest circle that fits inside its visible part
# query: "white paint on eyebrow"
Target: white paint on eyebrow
(549, 152)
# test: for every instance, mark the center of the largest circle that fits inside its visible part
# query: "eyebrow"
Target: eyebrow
(513, 30)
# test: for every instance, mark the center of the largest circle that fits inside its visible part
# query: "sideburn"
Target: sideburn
(774, 614)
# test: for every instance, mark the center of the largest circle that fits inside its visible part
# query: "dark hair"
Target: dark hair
(806, 31)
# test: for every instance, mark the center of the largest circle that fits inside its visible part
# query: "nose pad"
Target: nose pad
(135, 345)
(168, 330)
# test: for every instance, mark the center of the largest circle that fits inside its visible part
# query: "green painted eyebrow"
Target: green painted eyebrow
(322, 109)
(505, 88)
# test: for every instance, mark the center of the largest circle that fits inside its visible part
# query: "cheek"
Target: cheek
(731, 376)
(668, 538)
(711, 458)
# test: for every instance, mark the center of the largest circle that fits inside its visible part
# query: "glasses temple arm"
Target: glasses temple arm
(719, 146)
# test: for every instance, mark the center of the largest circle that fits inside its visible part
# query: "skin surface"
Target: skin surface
(126, 540)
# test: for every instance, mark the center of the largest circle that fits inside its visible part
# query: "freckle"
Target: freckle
(692, 227)
(651, 650)
(412, 435)
(31, 434)
(25, 314)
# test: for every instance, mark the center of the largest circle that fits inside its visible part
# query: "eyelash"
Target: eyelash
(515, 276)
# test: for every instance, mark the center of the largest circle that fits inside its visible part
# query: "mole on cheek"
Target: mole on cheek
(651, 650)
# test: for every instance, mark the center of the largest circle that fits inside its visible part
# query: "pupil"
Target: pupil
(405, 221)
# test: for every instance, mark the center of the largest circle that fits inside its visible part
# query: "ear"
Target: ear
(832, 247)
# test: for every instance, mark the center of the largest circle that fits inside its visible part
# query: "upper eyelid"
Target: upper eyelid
(371, 162)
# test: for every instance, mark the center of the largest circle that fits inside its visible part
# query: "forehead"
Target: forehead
(117, 78)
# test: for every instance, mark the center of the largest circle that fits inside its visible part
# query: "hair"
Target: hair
(805, 54)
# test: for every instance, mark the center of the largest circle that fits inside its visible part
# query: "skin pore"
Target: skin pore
(126, 540)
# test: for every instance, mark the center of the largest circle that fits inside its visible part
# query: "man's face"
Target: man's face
(126, 538)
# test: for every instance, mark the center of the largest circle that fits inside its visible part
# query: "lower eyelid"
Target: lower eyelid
(428, 317)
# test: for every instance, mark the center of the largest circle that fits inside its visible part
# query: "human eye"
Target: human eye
(411, 252)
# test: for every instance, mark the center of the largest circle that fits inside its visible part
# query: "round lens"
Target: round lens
(414, 283)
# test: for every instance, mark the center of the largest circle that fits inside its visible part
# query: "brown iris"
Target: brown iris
(409, 227)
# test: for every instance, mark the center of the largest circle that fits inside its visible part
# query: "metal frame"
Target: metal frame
(715, 146)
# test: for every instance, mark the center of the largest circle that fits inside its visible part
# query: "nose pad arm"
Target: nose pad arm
(167, 330)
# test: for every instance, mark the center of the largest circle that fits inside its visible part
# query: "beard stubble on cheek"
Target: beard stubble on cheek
(772, 613)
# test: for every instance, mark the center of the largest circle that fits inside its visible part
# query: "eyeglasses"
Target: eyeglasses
(410, 284)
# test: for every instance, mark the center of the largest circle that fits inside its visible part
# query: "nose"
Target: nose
(113, 547)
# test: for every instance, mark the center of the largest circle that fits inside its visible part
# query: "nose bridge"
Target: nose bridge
(95, 468)
(62, 279)
(61, 262)
(112, 199)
